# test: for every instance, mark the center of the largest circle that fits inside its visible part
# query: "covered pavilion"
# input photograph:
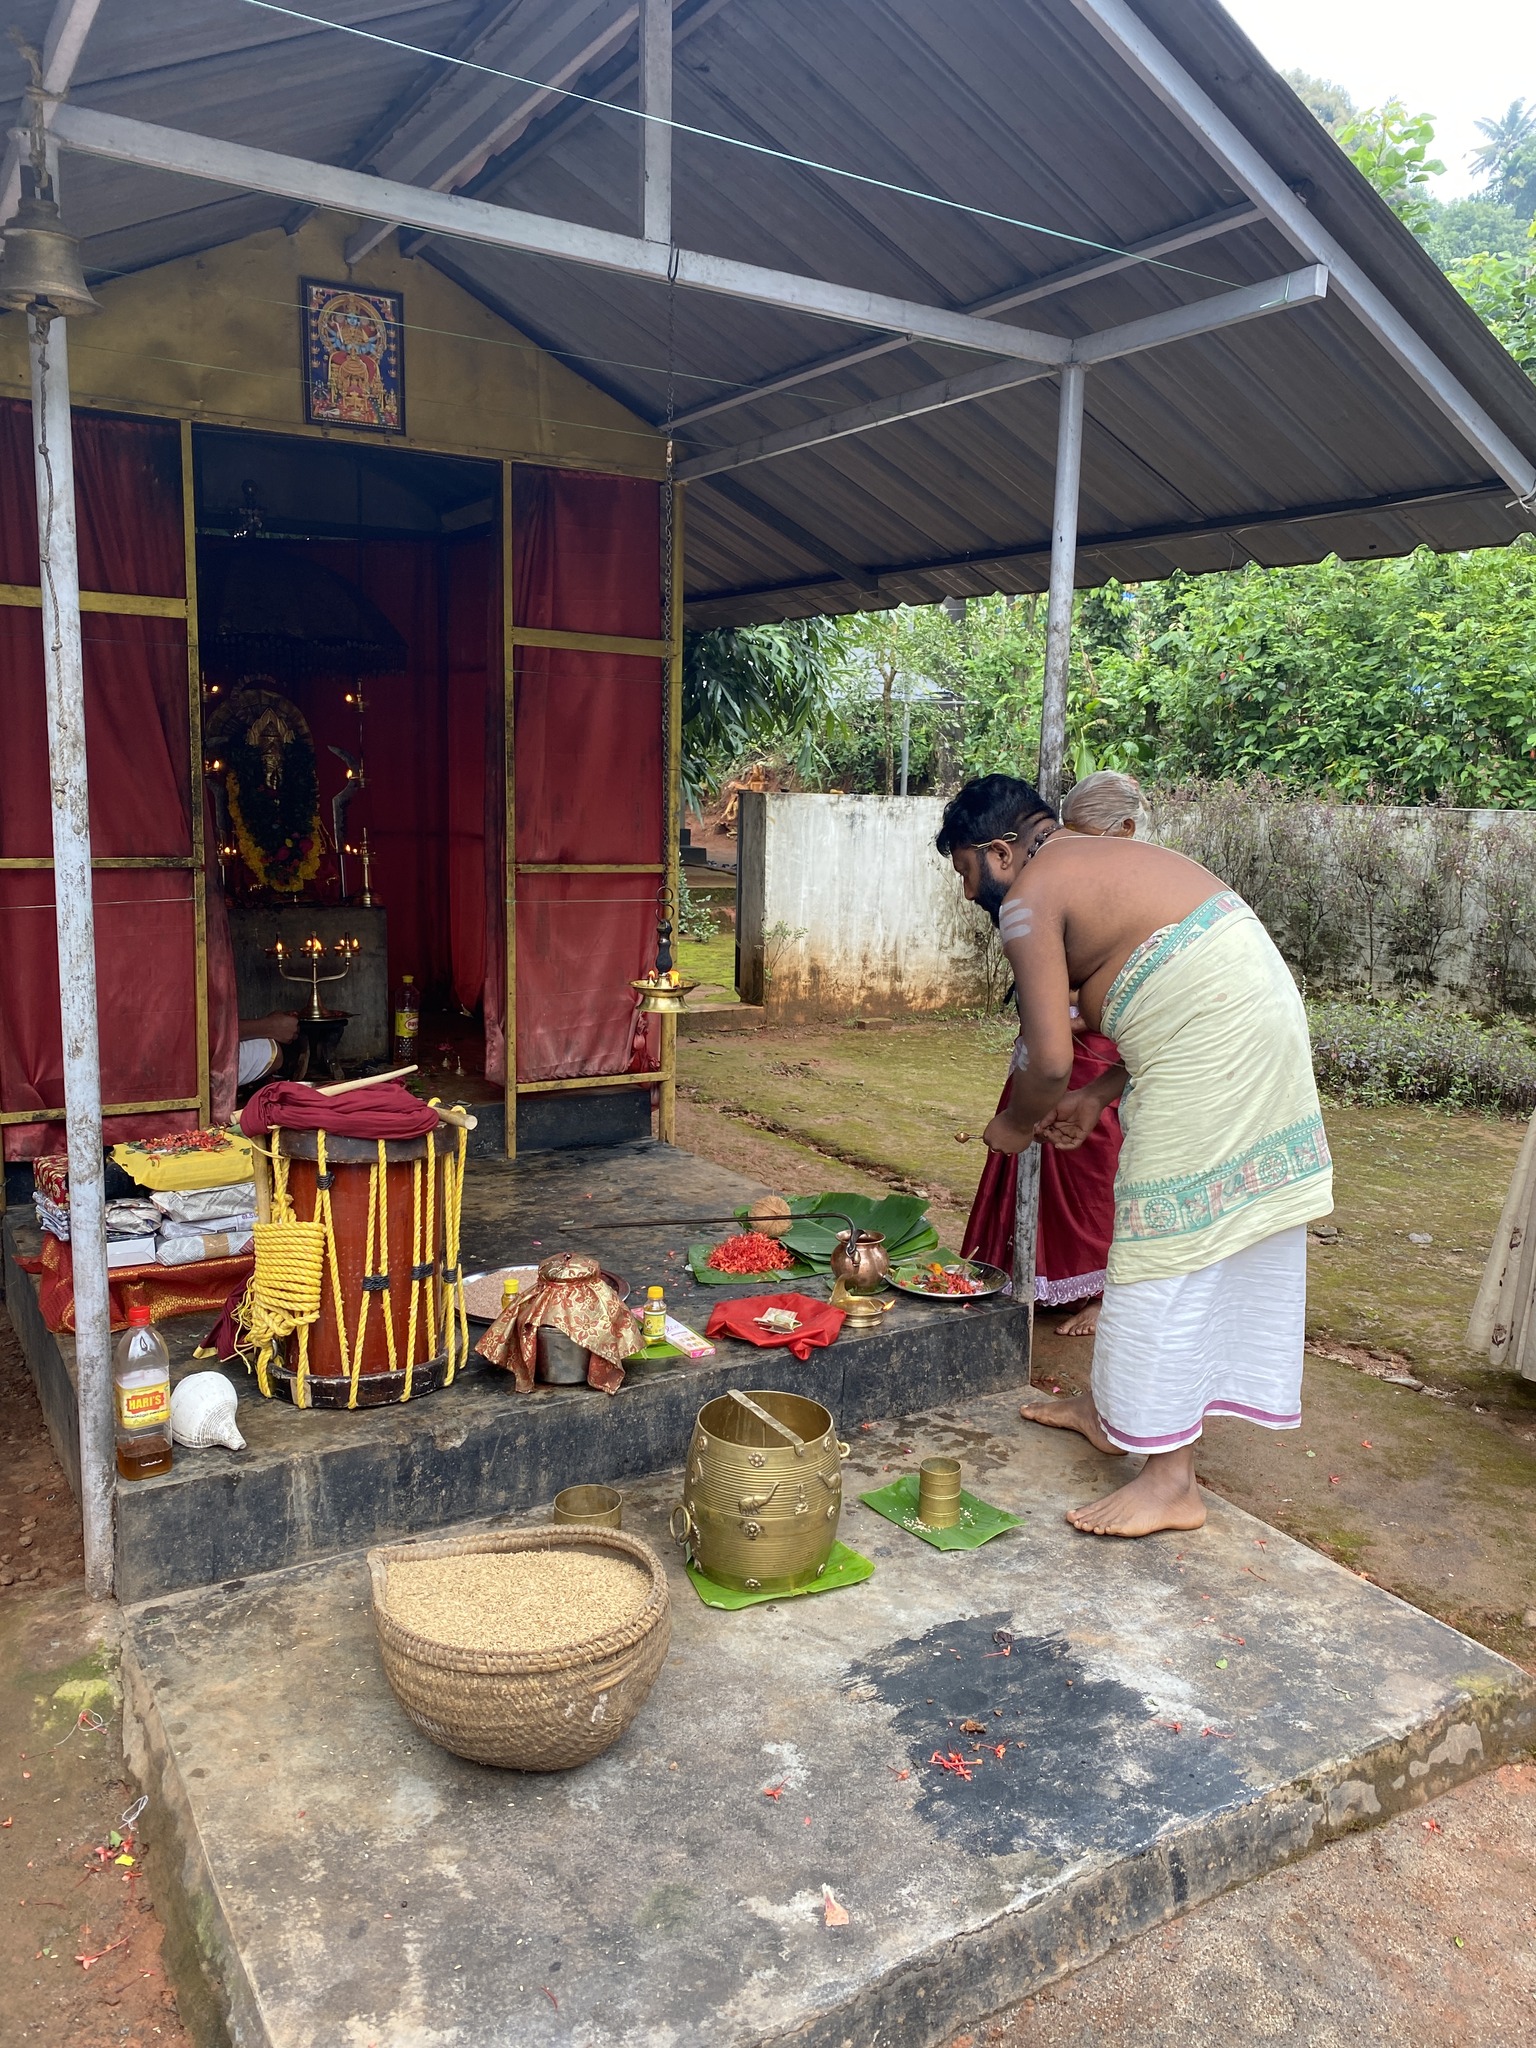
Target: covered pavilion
(710, 314)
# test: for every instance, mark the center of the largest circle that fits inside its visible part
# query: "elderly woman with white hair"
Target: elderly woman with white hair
(1077, 1188)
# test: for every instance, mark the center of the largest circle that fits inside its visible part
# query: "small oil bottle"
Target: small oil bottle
(653, 1324)
(509, 1292)
(141, 1398)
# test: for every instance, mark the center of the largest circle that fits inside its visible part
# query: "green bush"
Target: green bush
(1374, 1053)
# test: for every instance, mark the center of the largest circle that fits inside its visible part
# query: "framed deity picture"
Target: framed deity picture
(354, 357)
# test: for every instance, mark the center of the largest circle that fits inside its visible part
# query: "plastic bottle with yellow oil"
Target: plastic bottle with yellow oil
(141, 1398)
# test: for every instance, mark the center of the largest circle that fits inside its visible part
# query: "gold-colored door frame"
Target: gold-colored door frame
(664, 1077)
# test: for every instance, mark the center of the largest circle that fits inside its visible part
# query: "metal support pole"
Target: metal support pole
(74, 913)
(906, 740)
(1053, 748)
(1058, 629)
(655, 134)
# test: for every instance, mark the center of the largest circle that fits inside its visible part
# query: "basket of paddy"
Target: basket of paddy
(532, 1649)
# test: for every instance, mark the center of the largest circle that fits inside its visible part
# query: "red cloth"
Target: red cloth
(167, 1290)
(1077, 1193)
(138, 757)
(819, 1322)
(384, 1111)
(589, 779)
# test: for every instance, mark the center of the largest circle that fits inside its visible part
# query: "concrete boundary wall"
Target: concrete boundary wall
(845, 908)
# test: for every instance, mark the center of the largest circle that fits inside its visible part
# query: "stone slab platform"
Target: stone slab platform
(1173, 1717)
(314, 1482)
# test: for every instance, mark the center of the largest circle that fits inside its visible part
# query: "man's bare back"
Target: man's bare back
(1098, 899)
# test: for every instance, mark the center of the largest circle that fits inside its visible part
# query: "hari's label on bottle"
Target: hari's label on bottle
(144, 1405)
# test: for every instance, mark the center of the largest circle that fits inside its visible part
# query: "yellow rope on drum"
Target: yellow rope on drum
(283, 1293)
(456, 1317)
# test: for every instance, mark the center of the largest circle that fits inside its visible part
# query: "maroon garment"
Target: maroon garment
(1077, 1196)
(384, 1111)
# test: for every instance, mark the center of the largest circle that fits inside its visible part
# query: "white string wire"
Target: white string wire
(783, 156)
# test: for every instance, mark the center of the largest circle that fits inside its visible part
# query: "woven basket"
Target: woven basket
(526, 1711)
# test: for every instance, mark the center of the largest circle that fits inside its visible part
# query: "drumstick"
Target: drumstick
(364, 1081)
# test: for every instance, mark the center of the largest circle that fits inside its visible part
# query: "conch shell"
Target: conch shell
(203, 1409)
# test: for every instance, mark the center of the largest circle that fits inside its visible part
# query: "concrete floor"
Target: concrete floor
(1176, 1717)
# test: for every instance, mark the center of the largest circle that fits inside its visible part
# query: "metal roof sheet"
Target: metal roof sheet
(1277, 442)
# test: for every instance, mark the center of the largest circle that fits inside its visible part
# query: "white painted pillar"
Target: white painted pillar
(76, 924)
(655, 136)
(1058, 630)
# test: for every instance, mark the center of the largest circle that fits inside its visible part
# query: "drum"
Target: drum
(390, 1322)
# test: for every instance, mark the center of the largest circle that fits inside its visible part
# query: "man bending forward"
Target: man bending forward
(1225, 1160)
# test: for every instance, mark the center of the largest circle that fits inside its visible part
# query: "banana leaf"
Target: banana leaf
(818, 1221)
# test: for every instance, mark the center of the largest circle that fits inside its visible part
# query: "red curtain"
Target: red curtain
(128, 498)
(590, 769)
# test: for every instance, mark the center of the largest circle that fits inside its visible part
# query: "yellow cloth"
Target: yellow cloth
(1224, 1140)
(181, 1170)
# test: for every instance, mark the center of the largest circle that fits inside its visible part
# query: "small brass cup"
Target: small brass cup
(938, 1492)
(596, 1507)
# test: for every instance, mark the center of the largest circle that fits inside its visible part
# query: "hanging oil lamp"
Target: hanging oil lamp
(663, 992)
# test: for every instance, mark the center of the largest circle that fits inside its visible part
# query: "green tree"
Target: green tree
(1391, 147)
(1330, 103)
(1412, 678)
(1507, 159)
(757, 690)
(1455, 229)
(1502, 290)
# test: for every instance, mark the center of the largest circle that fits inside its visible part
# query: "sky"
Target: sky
(1455, 62)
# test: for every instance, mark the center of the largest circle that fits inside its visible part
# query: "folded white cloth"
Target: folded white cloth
(188, 1251)
(199, 1205)
(51, 1217)
(130, 1251)
(231, 1225)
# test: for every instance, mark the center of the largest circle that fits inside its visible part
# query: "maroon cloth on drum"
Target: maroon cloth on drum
(1077, 1196)
(384, 1111)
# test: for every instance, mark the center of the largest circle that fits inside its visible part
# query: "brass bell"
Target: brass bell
(40, 263)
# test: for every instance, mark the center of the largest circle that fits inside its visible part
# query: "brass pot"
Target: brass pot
(762, 1491)
(863, 1267)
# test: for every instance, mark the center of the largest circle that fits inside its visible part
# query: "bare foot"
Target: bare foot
(1163, 1495)
(1078, 1413)
(1083, 1323)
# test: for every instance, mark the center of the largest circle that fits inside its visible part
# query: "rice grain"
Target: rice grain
(524, 1600)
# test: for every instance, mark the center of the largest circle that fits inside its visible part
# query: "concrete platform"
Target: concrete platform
(311, 1483)
(1177, 1717)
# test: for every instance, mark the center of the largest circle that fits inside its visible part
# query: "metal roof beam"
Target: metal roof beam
(121, 140)
(1168, 244)
(1111, 543)
(1205, 316)
(1128, 35)
(656, 129)
(468, 116)
(67, 31)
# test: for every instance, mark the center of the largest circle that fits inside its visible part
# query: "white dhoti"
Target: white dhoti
(1225, 1161)
(1226, 1340)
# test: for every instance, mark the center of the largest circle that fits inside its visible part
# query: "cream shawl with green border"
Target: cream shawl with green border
(1224, 1140)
